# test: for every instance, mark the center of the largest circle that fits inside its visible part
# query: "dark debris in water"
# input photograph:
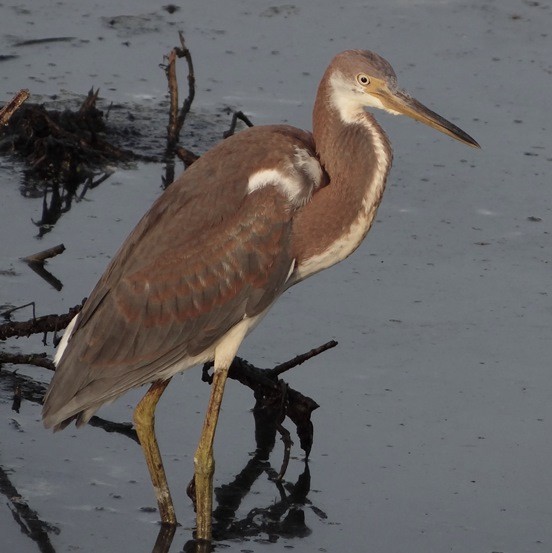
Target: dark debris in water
(62, 146)
(35, 41)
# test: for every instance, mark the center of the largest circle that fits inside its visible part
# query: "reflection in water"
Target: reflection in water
(284, 518)
(57, 198)
(42, 272)
(25, 517)
(164, 539)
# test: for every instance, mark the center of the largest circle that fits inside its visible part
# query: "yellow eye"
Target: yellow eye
(363, 79)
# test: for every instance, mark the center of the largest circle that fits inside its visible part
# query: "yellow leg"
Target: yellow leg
(144, 422)
(204, 461)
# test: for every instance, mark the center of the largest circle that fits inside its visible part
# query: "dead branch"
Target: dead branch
(38, 325)
(188, 157)
(92, 144)
(36, 263)
(40, 257)
(299, 359)
(66, 146)
(176, 117)
(36, 359)
(12, 106)
(89, 102)
(275, 400)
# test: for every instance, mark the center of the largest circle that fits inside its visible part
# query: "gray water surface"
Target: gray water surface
(434, 429)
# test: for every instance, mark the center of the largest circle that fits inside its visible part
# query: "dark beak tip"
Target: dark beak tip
(473, 143)
(462, 136)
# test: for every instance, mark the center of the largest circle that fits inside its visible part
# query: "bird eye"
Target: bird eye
(363, 79)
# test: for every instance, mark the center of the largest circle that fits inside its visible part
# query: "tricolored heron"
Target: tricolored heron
(256, 214)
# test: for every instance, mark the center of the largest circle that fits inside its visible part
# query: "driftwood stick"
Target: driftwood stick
(183, 52)
(170, 71)
(176, 117)
(37, 359)
(36, 263)
(275, 400)
(12, 106)
(90, 101)
(299, 359)
(38, 325)
(40, 257)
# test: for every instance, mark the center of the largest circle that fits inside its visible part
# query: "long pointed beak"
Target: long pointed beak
(398, 101)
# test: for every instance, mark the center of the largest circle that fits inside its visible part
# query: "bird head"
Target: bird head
(362, 79)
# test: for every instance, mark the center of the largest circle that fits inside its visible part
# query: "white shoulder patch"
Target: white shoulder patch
(297, 179)
(272, 177)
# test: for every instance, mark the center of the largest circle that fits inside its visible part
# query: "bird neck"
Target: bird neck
(352, 147)
(356, 154)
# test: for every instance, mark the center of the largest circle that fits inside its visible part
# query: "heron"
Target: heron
(258, 213)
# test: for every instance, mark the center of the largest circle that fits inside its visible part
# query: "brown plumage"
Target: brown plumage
(204, 256)
(255, 215)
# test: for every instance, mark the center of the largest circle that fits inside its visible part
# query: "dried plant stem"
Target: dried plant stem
(12, 106)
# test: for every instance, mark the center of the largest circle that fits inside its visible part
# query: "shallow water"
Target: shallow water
(434, 425)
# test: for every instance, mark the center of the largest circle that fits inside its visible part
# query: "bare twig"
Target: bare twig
(276, 400)
(90, 101)
(176, 117)
(37, 359)
(40, 257)
(12, 106)
(235, 116)
(170, 71)
(8, 312)
(38, 325)
(299, 359)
